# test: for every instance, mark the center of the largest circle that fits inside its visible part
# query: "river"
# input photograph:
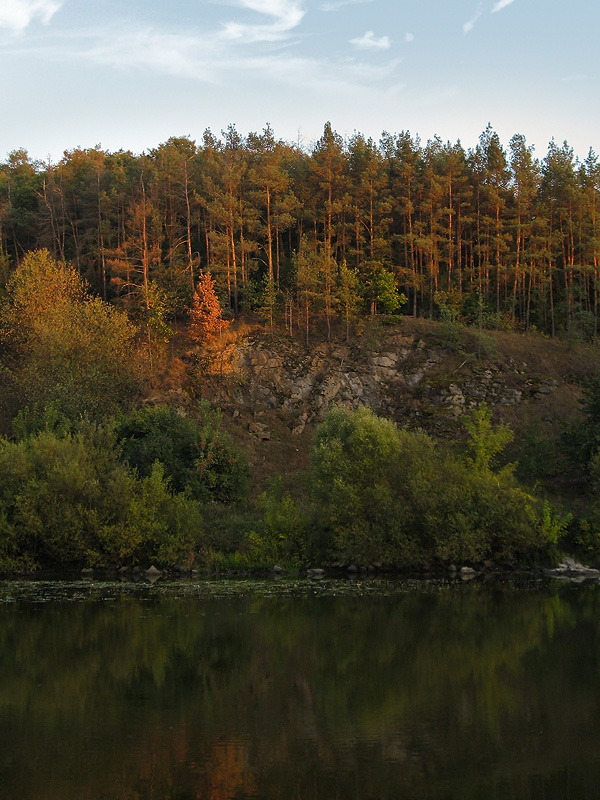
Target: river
(299, 690)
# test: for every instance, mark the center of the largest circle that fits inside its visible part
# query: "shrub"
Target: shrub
(68, 500)
(390, 495)
(197, 456)
(281, 532)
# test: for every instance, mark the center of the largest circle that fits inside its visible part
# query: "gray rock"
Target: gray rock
(569, 569)
(415, 378)
(259, 430)
(384, 361)
(331, 388)
(315, 573)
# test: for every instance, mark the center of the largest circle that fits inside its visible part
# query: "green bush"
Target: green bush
(352, 483)
(67, 500)
(197, 456)
(280, 535)
(535, 452)
(392, 496)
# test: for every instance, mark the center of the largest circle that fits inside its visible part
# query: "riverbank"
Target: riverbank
(463, 458)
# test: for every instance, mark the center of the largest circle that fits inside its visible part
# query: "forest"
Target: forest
(106, 257)
(494, 237)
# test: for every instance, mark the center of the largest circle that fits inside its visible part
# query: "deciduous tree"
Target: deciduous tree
(206, 315)
(64, 345)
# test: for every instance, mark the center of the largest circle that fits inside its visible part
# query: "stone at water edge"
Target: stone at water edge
(315, 573)
(467, 572)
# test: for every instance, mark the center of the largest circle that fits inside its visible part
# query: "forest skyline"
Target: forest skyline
(490, 235)
(130, 77)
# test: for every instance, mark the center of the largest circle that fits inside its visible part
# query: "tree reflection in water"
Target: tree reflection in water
(399, 691)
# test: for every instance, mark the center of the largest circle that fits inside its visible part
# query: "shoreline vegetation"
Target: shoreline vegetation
(89, 477)
(120, 275)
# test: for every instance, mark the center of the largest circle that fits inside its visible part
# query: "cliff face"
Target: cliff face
(408, 376)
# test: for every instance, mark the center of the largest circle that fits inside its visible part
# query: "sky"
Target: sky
(129, 74)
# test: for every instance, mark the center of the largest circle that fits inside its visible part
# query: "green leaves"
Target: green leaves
(68, 500)
(380, 289)
(64, 346)
(354, 461)
(196, 455)
(391, 495)
(485, 441)
(281, 533)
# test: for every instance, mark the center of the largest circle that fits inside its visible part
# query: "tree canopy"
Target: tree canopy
(513, 238)
(62, 345)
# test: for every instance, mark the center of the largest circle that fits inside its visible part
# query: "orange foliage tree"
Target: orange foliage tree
(206, 315)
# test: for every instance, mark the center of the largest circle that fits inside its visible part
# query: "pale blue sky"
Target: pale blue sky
(130, 74)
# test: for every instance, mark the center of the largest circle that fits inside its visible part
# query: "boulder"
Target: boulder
(467, 571)
(315, 573)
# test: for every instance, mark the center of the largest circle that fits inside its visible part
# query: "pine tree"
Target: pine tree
(206, 315)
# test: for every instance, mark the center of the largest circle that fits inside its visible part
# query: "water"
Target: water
(299, 690)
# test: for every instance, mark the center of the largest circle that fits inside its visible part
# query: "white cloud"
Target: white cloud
(369, 42)
(214, 60)
(334, 5)
(500, 5)
(580, 78)
(173, 54)
(470, 24)
(323, 79)
(288, 14)
(16, 15)
(409, 37)
(216, 57)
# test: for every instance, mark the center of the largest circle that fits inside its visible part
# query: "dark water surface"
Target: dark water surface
(299, 690)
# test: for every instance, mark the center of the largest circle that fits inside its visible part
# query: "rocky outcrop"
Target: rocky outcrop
(402, 376)
(572, 570)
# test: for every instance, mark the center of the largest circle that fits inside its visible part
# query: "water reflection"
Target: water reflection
(473, 691)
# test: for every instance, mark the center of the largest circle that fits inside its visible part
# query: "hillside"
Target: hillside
(273, 390)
